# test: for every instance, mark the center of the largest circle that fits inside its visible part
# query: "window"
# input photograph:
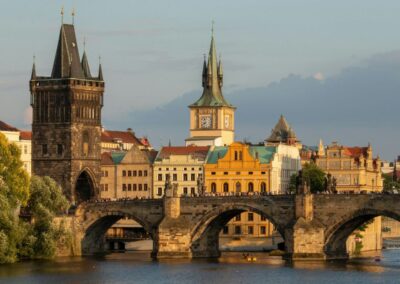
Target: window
(124, 173)
(238, 187)
(226, 187)
(145, 187)
(251, 187)
(193, 177)
(129, 173)
(225, 230)
(263, 173)
(129, 187)
(44, 149)
(213, 187)
(106, 187)
(263, 230)
(238, 217)
(185, 190)
(250, 230)
(263, 187)
(225, 173)
(140, 187)
(213, 173)
(236, 155)
(250, 217)
(140, 173)
(159, 177)
(185, 177)
(134, 173)
(238, 230)
(192, 191)
(263, 218)
(59, 149)
(250, 173)
(174, 177)
(134, 187)
(145, 173)
(124, 187)
(106, 173)
(159, 191)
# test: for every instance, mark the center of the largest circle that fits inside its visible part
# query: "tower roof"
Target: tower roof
(85, 65)
(67, 60)
(212, 81)
(281, 132)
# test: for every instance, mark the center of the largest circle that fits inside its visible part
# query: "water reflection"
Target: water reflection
(230, 268)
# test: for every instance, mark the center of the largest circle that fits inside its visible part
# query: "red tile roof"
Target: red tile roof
(106, 159)
(124, 136)
(355, 152)
(25, 135)
(198, 151)
(6, 127)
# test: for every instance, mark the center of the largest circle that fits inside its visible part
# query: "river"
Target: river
(137, 267)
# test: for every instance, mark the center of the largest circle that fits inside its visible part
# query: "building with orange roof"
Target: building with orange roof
(118, 140)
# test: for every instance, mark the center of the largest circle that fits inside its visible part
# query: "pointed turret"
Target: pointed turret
(100, 77)
(220, 72)
(67, 55)
(212, 80)
(85, 66)
(282, 133)
(33, 75)
(321, 148)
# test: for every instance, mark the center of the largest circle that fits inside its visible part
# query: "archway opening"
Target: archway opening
(238, 230)
(116, 233)
(362, 235)
(84, 189)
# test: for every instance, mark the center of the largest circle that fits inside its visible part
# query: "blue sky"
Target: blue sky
(152, 50)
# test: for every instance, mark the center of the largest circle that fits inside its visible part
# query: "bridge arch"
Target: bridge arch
(337, 234)
(205, 234)
(94, 230)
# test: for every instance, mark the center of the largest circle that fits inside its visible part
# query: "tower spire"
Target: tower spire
(62, 15)
(33, 75)
(100, 77)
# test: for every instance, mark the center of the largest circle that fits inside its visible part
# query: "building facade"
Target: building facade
(127, 174)
(212, 118)
(66, 126)
(116, 140)
(23, 140)
(183, 165)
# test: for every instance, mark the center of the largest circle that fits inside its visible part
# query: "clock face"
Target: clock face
(205, 121)
(227, 120)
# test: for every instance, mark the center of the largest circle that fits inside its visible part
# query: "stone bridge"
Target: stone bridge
(313, 226)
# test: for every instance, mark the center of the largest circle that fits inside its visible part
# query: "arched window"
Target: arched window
(263, 187)
(213, 187)
(238, 187)
(226, 187)
(236, 155)
(85, 144)
(250, 187)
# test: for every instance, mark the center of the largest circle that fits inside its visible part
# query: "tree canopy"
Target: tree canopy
(314, 176)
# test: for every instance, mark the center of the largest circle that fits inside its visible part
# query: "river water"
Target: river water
(137, 267)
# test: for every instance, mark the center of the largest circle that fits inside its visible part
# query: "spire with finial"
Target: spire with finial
(33, 75)
(321, 148)
(100, 77)
(85, 62)
(212, 79)
(73, 16)
(62, 15)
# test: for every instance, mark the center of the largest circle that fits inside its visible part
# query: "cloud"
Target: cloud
(319, 76)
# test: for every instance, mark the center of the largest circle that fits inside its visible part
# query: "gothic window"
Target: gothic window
(226, 187)
(60, 149)
(213, 187)
(44, 149)
(85, 144)
(250, 187)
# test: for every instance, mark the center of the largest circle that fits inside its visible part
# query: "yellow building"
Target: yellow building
(355, 171)
(212, 118)
(240, 169)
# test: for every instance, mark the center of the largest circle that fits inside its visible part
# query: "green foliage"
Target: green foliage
(389, 184)
(314, 176)
(12, 172)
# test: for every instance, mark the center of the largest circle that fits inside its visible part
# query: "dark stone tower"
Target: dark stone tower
(66, 127)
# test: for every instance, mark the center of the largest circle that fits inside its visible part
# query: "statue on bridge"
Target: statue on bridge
(302, 186)
(171, 190)
(200, 185)
(330, 184)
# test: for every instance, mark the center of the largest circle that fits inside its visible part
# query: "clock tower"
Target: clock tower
(212, 118)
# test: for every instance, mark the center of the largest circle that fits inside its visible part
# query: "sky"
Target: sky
(152, 52)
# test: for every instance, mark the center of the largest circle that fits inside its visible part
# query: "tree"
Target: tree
(12, 172)
(389, 183)
(313, 175)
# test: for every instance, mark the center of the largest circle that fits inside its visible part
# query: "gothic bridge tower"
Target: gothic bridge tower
(66, 126)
